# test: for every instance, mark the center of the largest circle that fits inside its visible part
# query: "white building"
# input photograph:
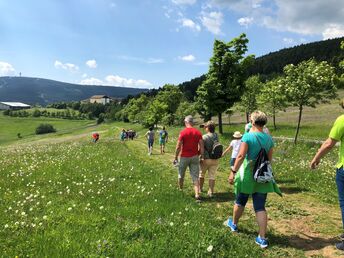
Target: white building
(13, 106)
(102, 99)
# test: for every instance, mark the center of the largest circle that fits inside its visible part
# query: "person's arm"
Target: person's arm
(201, 148)
(178, 148)
(226, 150)
(270, 154)
(324, 149)
(240, 158)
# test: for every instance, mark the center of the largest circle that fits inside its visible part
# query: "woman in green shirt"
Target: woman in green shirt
(242, 176)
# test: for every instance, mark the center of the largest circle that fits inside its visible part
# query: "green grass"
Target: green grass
(73, 198)
(11, 126)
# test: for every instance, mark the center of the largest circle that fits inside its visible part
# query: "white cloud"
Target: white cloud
(92, 81)
(92, 63)
(333, 31)
(288, 41)
(84, 75)
(6, 69)
(115, 80)
(184, 2)
(212, 21)
(188, 58)
(149, 60)
(245, 21)
(190, 24)
(316, 17)
(66, 66)
(202, 63)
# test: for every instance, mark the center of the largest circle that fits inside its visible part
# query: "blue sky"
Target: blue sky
(149, 43)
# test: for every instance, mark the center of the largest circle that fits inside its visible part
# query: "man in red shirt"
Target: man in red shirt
(190, 144)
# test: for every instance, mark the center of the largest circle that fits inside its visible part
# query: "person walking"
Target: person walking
(235, 146)
(122, 135)
(209, 164)
(163, 138)
(189, 146)
(150, 138)
(242, 178)
(336, 135)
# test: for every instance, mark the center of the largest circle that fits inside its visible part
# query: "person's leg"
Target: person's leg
(340, 188)
(259, 200)
(214, 164)
(204, 168)
(194, 172)
(239, 207)
(181, 172)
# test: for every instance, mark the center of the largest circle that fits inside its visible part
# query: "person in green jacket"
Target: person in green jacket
(242, 177)
(336, 135)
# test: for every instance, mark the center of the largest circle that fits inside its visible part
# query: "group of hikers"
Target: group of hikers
(250, 164)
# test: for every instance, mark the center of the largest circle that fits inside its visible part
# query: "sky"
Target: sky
(149, 43)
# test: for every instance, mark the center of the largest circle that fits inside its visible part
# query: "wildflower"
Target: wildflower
(101, 207)
(171, 224)
(210, 248)
(45, 217)
(70, 208)
(6, 226)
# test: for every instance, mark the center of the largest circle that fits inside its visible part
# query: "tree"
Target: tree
(225, 79)
(248, 100)
(184, 109)
(308, 84)
(155, 112)
(272, 98)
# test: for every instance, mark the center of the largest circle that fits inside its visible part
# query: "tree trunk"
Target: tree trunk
(247, 117)
(220, 123)
(298, 124)
(274, 119)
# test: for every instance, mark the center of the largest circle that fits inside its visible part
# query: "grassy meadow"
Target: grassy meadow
(63, 196)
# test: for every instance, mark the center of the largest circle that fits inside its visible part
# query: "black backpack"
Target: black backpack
(217, 150)
(262, 171)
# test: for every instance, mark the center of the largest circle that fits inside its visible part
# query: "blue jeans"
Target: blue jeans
(259, 200)
(340, 187)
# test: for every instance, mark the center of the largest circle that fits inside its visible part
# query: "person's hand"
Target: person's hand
(231, 178)
(314, 163)
(175, 162)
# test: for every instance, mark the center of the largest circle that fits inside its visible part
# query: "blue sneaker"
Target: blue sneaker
(232, 226)
(262, 242)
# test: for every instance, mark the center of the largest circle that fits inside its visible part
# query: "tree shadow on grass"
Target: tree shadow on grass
(285, 181)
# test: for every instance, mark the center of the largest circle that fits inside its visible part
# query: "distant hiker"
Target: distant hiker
(131, 134)
(150, 138)
(163, 138)
(336, 135)
(189, 146)
(122, 135)
(241, 176)
(95, 137)
(210, 163)
(234, 146)
(248, 126)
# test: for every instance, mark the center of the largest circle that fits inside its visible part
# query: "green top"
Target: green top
(337, 133)
(244, 182)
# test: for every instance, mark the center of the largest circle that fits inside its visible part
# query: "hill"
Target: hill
(273, 63)
(44, 91)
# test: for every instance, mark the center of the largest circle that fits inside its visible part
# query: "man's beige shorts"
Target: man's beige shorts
(210, 165)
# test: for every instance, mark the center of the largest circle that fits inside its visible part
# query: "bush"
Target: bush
(45, 128)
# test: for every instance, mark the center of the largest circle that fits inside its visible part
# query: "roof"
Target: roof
(15, 104)
(99, 97)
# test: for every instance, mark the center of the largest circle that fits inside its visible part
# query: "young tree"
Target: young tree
(224, 82)
(308, 84)
(272, 98)
(184, 109)
(248, 100)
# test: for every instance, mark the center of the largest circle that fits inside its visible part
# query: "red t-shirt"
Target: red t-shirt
(189, 138)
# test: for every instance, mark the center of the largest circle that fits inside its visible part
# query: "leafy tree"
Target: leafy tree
(248, 100)
(184, 109)
(155, 112)
(272, 98)
(224, 82)
(45, 128)
(308, 84)
(36, 113)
